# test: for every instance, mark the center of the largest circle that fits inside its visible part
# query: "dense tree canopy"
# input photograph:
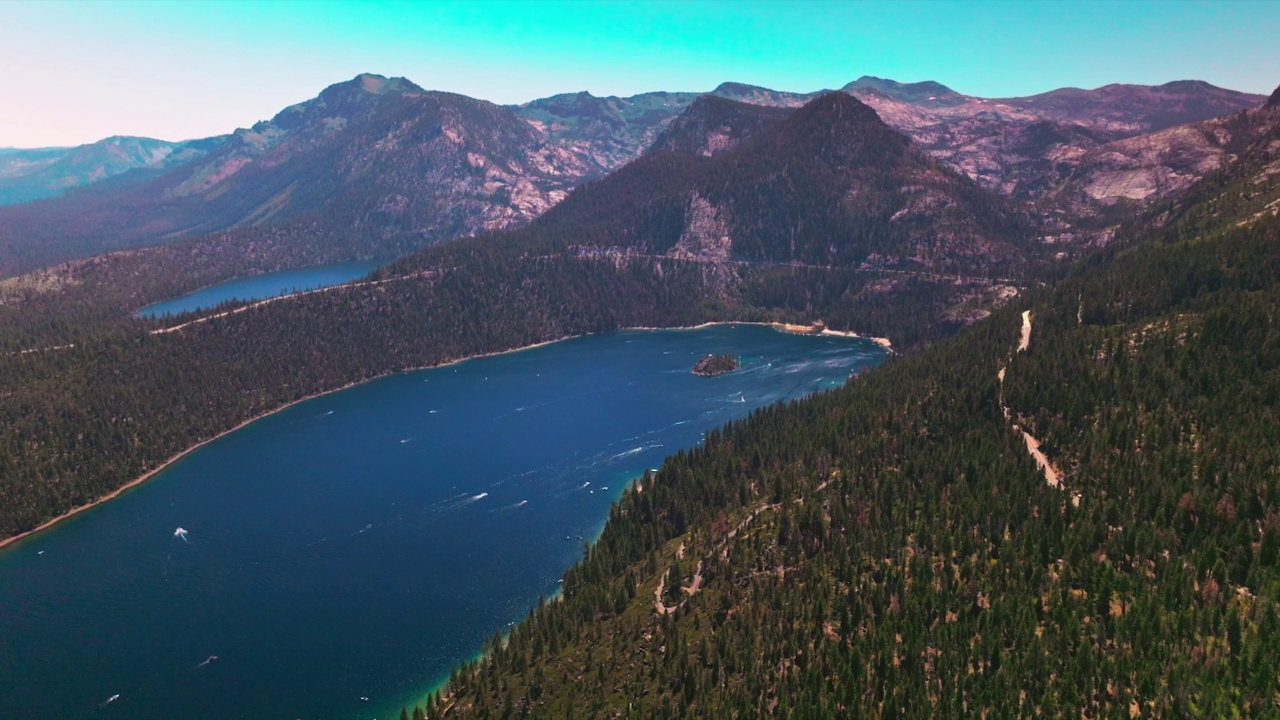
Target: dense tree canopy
(891, 550)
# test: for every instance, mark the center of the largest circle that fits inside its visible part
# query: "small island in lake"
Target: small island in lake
(715, 365)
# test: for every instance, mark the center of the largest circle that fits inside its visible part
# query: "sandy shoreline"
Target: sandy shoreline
(792, 328)
(178, 456)
(798, 329)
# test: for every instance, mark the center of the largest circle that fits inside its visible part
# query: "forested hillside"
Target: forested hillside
(893, 549)
(95, 399)
(820, 211)
(88, 416)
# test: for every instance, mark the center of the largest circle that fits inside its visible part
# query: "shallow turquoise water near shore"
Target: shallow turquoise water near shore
(362, 543)
(261, 287)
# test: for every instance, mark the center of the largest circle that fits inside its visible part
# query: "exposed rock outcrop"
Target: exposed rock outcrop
(716, 365)
(705, 236)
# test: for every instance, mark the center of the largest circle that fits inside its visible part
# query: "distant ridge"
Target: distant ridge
(761, 95)
(370, 166)
(918, 92)
(380, 166)
(33, 174)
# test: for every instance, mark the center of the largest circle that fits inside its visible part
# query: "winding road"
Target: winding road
(1052, 475)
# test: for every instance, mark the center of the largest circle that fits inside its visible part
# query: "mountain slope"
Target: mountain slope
(608, 132)
(1017, 146)
(34, 174)
(1159, 165)
(713, 124)
(894, 549)
(1020, 146)
(603, 132)
(1025, 147)
(376, 158)
(828, 185)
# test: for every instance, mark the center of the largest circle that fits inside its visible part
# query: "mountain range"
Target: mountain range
(826, 185)
(378, 166)
(44, 172)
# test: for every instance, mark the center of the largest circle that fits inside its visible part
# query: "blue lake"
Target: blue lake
(261, 287)
(362, 543)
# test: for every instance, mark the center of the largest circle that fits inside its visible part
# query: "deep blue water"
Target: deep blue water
(260, 287)
(362, 543)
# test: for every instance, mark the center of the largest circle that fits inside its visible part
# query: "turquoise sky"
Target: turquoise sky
(77, 72)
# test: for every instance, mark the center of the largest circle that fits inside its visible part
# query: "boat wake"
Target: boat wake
(635, 451)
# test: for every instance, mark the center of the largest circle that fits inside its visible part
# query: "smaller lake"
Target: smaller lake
(261, 287)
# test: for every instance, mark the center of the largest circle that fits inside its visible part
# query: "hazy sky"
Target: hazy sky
(76, 72)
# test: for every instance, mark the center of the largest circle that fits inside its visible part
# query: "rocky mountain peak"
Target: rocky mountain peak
(1274, 100)
(1188, 86)
(841, 112)
(760, 95)
(379, 85)
(576, 103)
(342, 100)
(732, 89)
(368, 84)
(713, 124)
(373, 84)
(917, 92)
(834, 130)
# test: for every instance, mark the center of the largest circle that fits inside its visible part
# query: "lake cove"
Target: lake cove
(261, 287)
(360, 544)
